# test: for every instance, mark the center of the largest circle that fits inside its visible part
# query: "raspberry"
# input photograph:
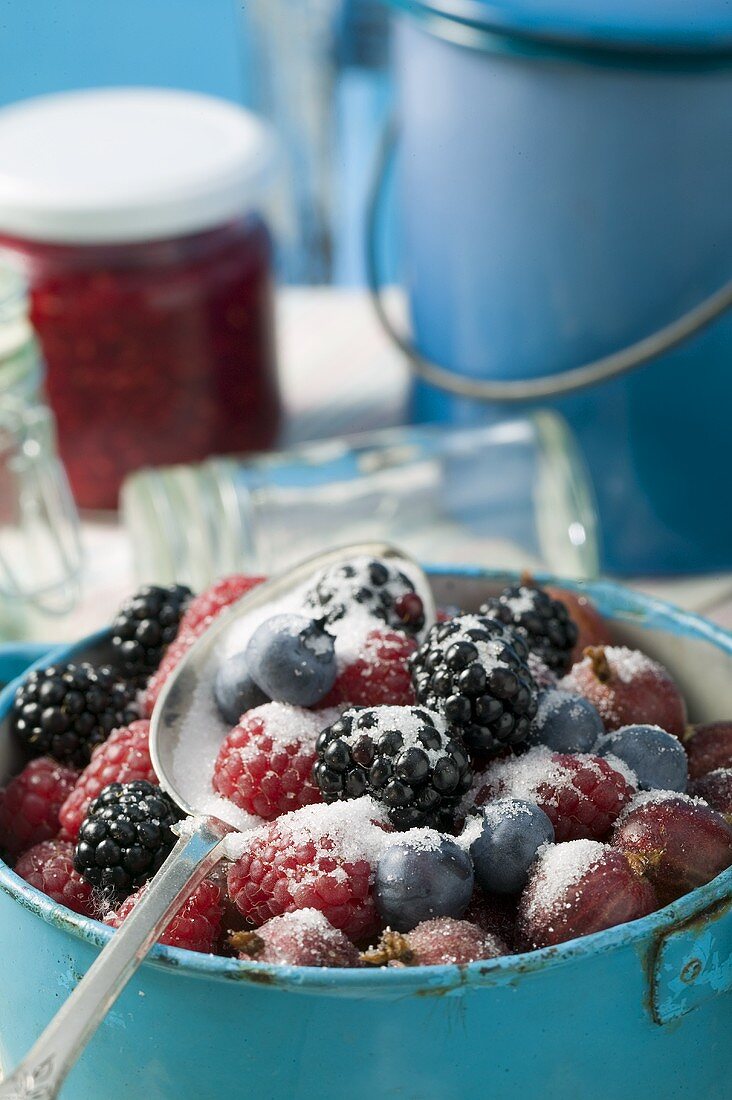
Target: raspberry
(198, 616)
(628, 689)
(716, 790)
(708, 747)
(49, 866)
(581, 794)
(679, 844)
(202, 610)
(579, 888)
(29, 812)
(122, 758)
(440, 941)
(197, 924)
(304, 938)
(265, 763)
(320, 857)
(379, 675)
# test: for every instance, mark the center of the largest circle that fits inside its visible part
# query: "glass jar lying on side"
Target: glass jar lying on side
(40, 552)
(511, 496)
(150, 265)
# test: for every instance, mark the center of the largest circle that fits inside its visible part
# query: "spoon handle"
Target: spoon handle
(42, 1072)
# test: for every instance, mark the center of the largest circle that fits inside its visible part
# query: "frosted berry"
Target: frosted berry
(65, 711)
(472, 671)
(264, 765)
(292, 659)
(441, 941)
(579, 888)
(49, 867)
(716, 790)
(126, 836)
(510, 832)
(628, 688)
(581, 794)
(565, 722)
(145, 625)
(235, 692)
(379, 674)
(197, 924)
(123, 757)
(320, 857)
(403, 756)
(197, 618)
(421, 877)
(367, 585)
(542, 621)
(708, 747)
(302, 938)
(31, 803)
(655, 757)
(678, 843)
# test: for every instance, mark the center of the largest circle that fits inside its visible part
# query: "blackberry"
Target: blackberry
(374, 585)
(65, 711)
(474, 672)
(403, 756)
(544, 622)
(126, 836)
(145, 626)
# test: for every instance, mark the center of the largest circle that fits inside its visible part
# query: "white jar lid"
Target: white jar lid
(129, 164)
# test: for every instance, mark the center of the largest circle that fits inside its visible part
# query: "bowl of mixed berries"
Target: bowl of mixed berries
(480, 824)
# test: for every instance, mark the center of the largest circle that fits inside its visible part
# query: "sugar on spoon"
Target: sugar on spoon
(201, 846)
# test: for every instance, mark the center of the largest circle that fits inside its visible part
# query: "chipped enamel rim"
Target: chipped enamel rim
(616, 602)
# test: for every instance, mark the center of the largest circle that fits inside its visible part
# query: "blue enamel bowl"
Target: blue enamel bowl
(635, 1011)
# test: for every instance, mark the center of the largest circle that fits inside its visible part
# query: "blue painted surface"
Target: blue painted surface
(555, 211)
(541, 1024)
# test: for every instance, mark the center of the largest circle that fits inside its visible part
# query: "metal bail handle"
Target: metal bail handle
(525, 389)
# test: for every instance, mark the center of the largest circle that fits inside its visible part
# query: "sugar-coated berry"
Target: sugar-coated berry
(235, 691)
(197, 924)
(627, 687)
(421, 878)
(292, 659)
(440, 941)
(657, 758)
(378, 675)
(302, 938)
(367, 586)
(679, 844)
(541, 620)
(512, 831)
(578, 888)
(565, 722)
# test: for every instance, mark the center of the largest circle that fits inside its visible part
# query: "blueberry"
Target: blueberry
(565, 722)
(415, 882)
(292, 659)
(234, 689)
(657, 758)
(512, 831)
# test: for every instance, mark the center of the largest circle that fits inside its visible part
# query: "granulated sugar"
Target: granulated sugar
(646, 798)
(521, 603)
(560, 867)
(355, 830)
(285, 724)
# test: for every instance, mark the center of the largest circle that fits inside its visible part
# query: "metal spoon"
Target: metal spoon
(42, 1072)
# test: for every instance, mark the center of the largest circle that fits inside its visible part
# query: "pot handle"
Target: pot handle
(525, 389)
(692, 963)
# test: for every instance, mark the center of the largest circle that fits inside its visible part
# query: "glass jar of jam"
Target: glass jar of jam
(138, 217)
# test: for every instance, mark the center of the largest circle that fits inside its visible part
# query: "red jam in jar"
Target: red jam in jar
(155, 310)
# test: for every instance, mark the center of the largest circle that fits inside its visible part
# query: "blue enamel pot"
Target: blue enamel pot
(565, 171)
(637, 1011)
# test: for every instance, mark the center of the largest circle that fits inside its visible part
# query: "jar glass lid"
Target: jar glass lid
(116, 165)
